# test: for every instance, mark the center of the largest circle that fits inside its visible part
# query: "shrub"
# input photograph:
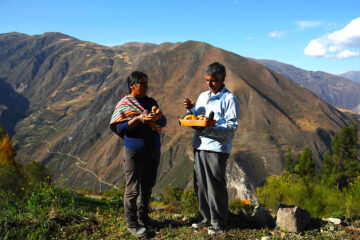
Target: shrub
(353, 199)
(270, 194)
(189, 202)
(115, 193)
(41, 196)
(236, 205)
(319, 199)
(326, 201)
(34, 172)
(172, 194)
(12, 182)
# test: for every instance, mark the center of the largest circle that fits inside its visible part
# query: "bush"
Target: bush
(319, 199)
(189, 202)
(41, 196)
(12, 182)
(172, 194)
(115, 193)
(236, 205)
(353, 199)
(34, 172)
(326, 201)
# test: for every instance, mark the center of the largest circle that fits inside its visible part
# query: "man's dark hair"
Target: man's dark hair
(134, 78)
(217, 70)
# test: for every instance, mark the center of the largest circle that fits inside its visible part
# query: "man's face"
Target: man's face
(213, 83)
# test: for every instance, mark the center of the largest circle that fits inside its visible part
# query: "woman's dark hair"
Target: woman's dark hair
(134, 78)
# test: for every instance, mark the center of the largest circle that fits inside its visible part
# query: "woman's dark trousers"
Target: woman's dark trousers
(140, 169)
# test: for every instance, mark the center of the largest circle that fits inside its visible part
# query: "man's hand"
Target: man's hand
(198, 128)
(188, 104)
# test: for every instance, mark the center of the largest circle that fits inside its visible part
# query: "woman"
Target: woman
(141, 133)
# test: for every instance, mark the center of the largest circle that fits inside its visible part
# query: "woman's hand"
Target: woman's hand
(153, 118)
(144, 118)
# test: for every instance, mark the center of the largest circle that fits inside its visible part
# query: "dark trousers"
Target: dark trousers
(210, 186)
(140, 169)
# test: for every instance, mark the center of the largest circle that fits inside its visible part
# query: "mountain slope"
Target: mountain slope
(353, 75)
(72, 87)
(336, 90)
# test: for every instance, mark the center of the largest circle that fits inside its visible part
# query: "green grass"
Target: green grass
(88, 218)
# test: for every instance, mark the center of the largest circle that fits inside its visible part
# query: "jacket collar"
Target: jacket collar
(219, 94)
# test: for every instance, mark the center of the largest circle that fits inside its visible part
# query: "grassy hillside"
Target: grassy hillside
(77, 216)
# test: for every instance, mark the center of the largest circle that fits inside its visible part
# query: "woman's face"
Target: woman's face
(140, 88)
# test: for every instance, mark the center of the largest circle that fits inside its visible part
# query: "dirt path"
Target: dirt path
(80, 164)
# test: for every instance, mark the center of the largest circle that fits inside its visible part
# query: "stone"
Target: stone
(263, 218)
(177, 216)
(52, 213)
(293, 218)
(266, 238)
(335, 221)
(185, 219)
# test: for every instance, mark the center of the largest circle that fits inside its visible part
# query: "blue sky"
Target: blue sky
(314, 35)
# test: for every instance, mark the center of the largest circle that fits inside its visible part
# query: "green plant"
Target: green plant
(189, 202)
(353, 199)
(34, 172)
(344, 148)
(305, 165)
(236, 205)
(172, 194)
(115, 193)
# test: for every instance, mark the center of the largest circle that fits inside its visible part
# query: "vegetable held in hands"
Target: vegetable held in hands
(155, 114)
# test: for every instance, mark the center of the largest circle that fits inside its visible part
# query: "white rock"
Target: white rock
(334, 220)
(178, 216)
(266, 238)
(185, 219)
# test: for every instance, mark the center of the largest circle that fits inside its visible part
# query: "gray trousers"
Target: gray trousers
(140, 171)
(210, 186)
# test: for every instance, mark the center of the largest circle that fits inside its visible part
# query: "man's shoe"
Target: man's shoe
(199, 225)
(215, 230)
(137, 231)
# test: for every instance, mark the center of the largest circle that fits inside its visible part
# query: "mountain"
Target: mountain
(353, 75)
(336, 90)
(72, 87)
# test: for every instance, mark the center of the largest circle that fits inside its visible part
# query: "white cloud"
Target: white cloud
(276, 34)
(249, 38)
(309, 24)
(348, 54)
(341, 44)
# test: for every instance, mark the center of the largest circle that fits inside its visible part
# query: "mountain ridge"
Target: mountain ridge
(336, 90)
(72, 87)
(353, 75)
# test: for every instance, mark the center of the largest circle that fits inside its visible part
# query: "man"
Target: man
(212, 146)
